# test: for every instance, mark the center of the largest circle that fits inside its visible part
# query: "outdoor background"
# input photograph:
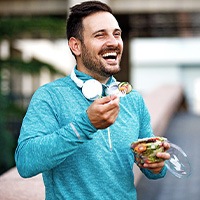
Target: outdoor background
(162, 45)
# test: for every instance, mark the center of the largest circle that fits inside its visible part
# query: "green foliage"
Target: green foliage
(34, 27)
(32, 67)
(7, 146)
(11, 114)
(8, 112)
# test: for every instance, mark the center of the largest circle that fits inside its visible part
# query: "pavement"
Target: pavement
(184, 131)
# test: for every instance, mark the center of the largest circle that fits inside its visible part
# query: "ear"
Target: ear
(75, 46)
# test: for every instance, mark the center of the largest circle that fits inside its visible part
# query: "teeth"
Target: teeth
(110, 54)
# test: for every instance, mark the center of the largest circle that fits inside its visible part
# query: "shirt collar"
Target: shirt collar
(84, 77)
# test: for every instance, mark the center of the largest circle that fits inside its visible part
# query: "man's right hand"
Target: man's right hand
(104, 111)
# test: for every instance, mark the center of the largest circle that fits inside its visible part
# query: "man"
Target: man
(78, 129)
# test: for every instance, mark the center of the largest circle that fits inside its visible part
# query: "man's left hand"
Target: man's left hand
(157, 167)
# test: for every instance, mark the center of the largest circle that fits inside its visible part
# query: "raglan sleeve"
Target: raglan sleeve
(43, 143)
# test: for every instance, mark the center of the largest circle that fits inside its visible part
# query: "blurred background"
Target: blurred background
(161, 46)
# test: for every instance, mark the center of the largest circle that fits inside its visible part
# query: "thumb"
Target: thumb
(106, 99)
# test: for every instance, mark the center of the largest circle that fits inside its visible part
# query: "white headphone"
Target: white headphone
(93, 89)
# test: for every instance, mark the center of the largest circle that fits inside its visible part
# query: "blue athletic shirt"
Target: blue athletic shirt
(58, 140)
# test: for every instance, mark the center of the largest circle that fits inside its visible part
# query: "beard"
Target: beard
(96, 65)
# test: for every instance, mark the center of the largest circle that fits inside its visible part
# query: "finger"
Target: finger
(154, 165)
(166, 145)
(106, 99)
(112, 105)
(163, 155)
(113, 97)
(103, 112)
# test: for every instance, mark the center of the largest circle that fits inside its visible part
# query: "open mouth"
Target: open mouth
(110, 55)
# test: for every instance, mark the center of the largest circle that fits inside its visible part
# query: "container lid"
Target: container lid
(178, 164)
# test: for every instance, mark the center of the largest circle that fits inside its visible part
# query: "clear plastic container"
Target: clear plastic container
(145, 151)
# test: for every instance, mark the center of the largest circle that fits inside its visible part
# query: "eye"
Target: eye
(99, 35)
(117, 34)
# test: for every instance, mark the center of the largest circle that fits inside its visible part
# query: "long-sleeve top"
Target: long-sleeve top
(58, 140)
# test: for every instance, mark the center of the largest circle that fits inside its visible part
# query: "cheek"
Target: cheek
(96, 48)
(121, 44)
(93, 49)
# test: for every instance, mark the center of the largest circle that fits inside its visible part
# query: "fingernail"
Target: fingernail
(158, 154)
(145, 165)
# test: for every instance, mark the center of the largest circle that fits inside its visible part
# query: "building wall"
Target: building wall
(35, 7)
(32, 7)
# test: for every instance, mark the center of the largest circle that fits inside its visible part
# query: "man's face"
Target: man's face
(102, 45)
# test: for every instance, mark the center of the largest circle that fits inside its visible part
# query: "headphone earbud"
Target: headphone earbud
(92, 89)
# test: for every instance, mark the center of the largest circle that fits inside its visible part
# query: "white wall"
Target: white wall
(147, 78)
(157, 61)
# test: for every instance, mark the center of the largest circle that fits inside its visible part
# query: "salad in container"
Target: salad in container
(145, 149)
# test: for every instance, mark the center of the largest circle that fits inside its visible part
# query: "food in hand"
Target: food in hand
(125, 87)
(145, 149)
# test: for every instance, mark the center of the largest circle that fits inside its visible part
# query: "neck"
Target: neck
(95, 76)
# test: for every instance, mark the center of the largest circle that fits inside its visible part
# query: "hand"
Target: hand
(104, 111)
(157, 167)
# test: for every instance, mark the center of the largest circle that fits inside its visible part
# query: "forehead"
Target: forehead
(100, 21)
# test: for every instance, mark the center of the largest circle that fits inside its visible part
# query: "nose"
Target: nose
(112, 41)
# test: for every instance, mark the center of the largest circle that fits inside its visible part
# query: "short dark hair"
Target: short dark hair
(78, 13)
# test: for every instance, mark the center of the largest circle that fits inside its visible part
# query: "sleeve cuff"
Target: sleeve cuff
(149, 174)
(84, 126)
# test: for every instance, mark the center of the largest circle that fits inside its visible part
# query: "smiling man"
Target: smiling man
(98, 50)
(78, 129)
